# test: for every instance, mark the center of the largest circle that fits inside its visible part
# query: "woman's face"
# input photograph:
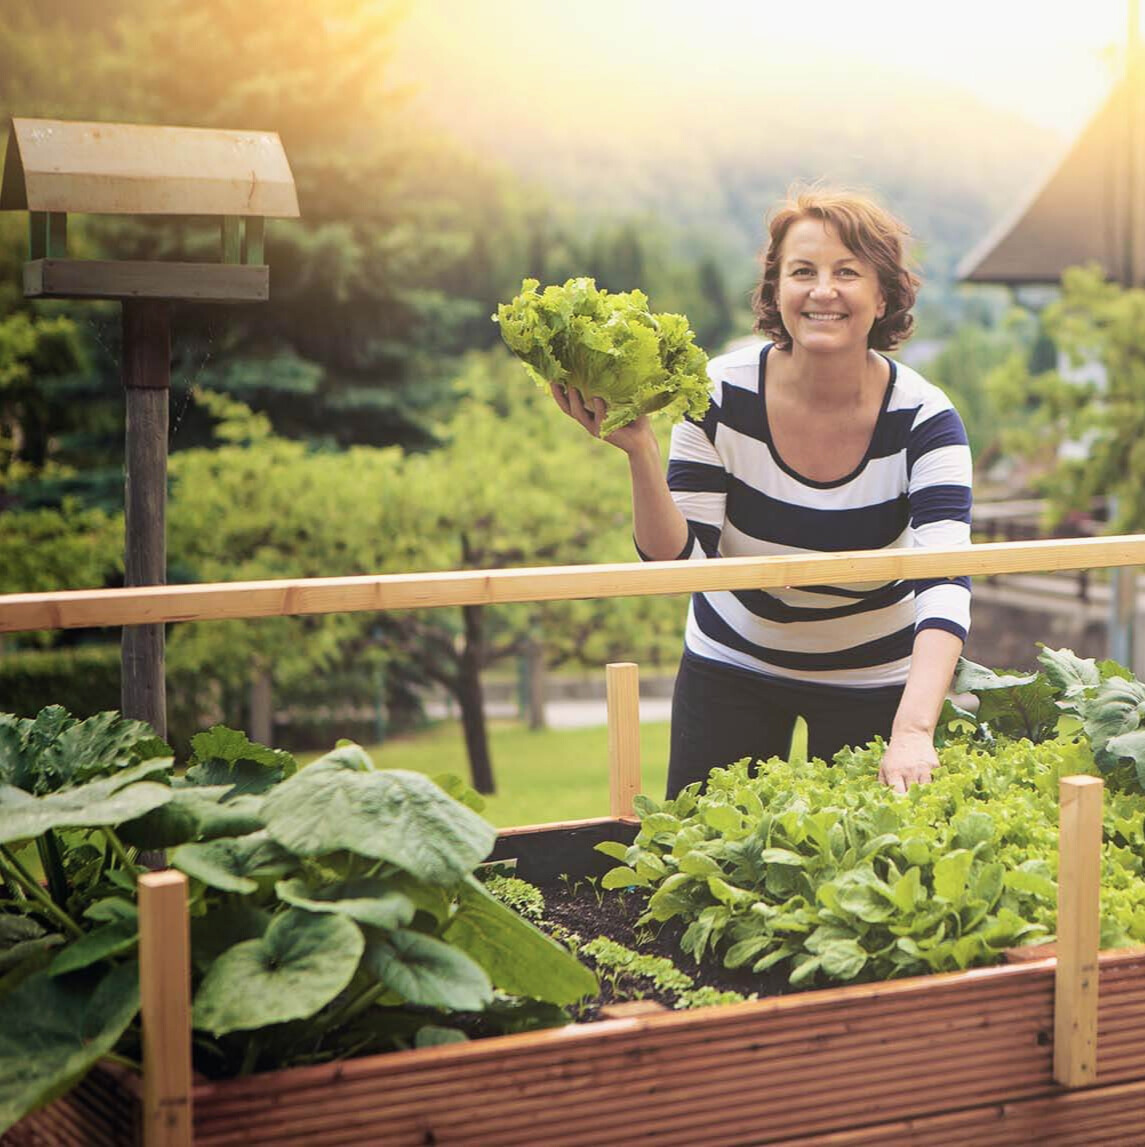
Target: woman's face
(829, 297)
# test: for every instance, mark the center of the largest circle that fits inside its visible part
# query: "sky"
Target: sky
(1048, 61)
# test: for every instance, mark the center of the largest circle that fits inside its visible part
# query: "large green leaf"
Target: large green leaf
(425, 970)
(1070, 675)
(370, 901)
(55, 1030)
(393, 815)
(106, 801)
(224, 926)
(234, 864)
(297, 967)
(54, 750)
(519, 959)
(92, 947)
(1017, 705)
(223, 756)
(195, 812)
(1114, 710)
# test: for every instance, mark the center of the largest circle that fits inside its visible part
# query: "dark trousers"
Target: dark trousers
(721, 714)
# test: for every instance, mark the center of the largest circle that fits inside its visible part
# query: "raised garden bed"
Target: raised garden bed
(945, 1059)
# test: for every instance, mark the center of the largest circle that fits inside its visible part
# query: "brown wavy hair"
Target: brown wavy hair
(868, 231)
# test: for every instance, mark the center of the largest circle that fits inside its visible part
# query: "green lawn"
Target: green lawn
(549, 775)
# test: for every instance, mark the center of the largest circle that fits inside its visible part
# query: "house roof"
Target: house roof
(1078, 215)
(141, 169)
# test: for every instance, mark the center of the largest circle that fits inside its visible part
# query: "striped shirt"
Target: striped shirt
(912, 488)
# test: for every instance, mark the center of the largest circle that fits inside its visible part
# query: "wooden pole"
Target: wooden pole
(165, 1001)
(146, 381)
(622, 680)
(1079, 925)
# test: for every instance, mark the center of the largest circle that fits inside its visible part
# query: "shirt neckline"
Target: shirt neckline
(870, 445)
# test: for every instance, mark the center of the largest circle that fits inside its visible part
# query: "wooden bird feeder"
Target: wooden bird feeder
(56, 168)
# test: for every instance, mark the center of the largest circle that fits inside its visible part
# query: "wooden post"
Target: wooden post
(165, 1002)
(1079, 922)
(230, 232)
(254, 240)
(146, 381)
(57, 236)
(622, 680)
(37, 234)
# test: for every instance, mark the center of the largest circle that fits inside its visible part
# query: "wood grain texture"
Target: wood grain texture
(1079, 927)
(104, 279)
(165, 1004)
(76, 609)
(622, 683)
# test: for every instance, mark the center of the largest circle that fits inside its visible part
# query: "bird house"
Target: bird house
(56, 168)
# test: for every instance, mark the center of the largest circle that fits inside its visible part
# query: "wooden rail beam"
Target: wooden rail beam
(78, 609)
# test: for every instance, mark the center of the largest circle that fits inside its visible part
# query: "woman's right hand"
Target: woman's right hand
(591, 416)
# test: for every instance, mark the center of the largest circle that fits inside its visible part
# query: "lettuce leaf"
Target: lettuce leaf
(607, 345)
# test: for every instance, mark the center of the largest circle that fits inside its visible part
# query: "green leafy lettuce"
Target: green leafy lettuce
(607, 345)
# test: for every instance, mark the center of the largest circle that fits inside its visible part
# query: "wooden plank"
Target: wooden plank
(622, 684)
(230, 232)
(165, 1004)
(148, 169)
(254, 240)
(146, 381)
(1079, 925)
(103, 279)
(76, 609)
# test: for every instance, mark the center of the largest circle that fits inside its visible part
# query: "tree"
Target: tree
(514, 484)
(1088, 430)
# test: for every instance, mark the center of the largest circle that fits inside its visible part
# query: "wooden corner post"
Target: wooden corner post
(165, 1001)
(1079, 926)
(623, 686)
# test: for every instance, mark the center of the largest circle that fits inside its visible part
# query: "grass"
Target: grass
(542, 776)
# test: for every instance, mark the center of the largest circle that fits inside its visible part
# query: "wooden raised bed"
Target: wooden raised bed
(967, 1058)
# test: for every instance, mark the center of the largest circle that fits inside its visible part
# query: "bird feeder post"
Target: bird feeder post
(147, 385)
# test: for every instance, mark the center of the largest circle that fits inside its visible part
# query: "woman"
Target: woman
(816, 442)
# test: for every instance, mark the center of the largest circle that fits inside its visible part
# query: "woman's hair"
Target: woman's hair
(866, 229)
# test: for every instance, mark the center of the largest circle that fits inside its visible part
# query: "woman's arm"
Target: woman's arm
(910, 757)
(658, 525)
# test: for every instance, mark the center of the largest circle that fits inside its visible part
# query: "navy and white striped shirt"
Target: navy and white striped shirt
(913, 488)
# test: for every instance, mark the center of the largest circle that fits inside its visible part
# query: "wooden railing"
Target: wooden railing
(144, 605)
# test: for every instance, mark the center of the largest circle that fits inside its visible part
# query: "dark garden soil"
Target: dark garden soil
(585, 909)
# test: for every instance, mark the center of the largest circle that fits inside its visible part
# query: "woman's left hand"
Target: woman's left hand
(910, 759)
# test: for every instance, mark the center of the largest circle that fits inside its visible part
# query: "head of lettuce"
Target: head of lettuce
(608, 346)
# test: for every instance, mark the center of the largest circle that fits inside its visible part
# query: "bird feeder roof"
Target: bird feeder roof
(143, 169)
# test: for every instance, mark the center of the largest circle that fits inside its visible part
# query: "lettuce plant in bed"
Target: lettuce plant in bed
(333, 909)
(825, 872)
(607, 345)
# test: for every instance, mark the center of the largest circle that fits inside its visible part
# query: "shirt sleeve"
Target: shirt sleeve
(698, 482)
(939, 484)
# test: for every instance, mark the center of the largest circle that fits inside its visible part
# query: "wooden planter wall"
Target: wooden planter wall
(1049, 1051)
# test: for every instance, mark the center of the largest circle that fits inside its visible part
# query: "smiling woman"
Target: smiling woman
(815, 441)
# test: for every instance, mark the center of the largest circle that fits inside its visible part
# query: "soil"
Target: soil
(590, 911)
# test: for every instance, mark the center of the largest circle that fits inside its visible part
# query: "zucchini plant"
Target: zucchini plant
(333, 909)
